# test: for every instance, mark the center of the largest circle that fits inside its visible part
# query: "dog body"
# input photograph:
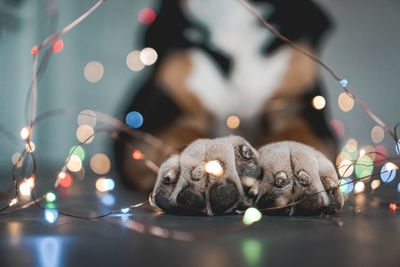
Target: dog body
(215, 60)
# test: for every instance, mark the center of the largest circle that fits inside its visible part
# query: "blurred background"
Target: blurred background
(92, 70)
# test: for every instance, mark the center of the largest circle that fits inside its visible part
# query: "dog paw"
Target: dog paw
(207, 177)
(297, 175)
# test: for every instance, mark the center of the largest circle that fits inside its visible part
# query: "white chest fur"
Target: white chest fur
(254, 77)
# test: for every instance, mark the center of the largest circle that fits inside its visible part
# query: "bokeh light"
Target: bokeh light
(13, 202)
(17, 159)
(233, 122)
(125, 210)
(105, 184)
(388, 172)
(100, 163)
(346, 185)
(34, 50)
(393, 206)
(85, 134)
(148, 56)
(214, 167)
(93, 71)
(58, 46)
(51, 197)
(398, 147)
(26, 186)
(318, 102)
(375, 184)
(74, 163)
(134, 119)
(252, 251)
(30, 146)
(146, 15)
(345, 102)
(369, 151)
(87, 116)
(50, 215)
(133, 61)
(137, 154)
(251, 215)
(65, 179)
(398, 187)
(25, 133)
(345, 168)
(78, 151)
(380, 155)
(377, 134)
(364, 167)
(359, 187)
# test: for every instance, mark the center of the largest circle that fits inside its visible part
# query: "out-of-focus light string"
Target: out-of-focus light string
(343, 82)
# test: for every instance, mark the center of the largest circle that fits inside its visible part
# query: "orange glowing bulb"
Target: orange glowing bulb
(137, 154)
(393, 206)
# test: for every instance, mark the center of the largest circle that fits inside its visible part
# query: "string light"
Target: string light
(345, 102)
(251, 215)
(359, 187)
(134, 119)
(58, 46)
(377, 134)
(85, 134)
(137, 154)
(34, 50)
(393, 206)
(133, 61)
(93, 71)
(30, 146)
(25, 133)
(214, 167)
(74, 163)
(148, 56)
(50, 215)
(105, 184)
(318, 102)
(78, 151)
(26, 186)
(375, 184)
(364, 167)
(346, 168)
(233, 122)
(344, 83)
(346, 185)
(65, 179)
(100, 163)
(146, 15)
(125, 210)
(13, 202)
(50, 197)
(388, 172)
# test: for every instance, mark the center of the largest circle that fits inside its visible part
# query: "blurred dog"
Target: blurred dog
(215, 61)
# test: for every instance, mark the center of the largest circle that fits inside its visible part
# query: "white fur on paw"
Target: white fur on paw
(297, 175)
(186, 185)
